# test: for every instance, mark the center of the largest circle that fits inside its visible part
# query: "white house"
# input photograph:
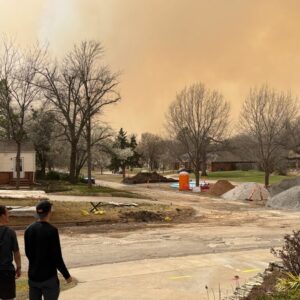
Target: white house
(8, 174)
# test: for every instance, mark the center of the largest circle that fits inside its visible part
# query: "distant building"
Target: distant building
(228, 161)
(8, 172)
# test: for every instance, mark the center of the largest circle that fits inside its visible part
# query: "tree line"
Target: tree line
(55, 101)
(57, 105)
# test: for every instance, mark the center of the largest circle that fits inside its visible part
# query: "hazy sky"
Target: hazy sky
(160, 46)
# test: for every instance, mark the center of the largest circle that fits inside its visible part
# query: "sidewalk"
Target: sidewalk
(168, 278)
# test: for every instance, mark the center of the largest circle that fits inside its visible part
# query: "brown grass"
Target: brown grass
(78, 213)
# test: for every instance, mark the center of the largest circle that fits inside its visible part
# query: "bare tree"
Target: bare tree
(197, 118)
(293, 134)
(151, 147)
(18, 91)
(98, 86)
(99, 136)
(264, 116)
(61, 87)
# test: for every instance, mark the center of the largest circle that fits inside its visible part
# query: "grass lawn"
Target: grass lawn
(243, 176)
(81, 189)
(84, 190)
(22, 286)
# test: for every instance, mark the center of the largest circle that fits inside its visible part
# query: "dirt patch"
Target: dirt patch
(79, 214)
(143, 216)
(147, 177)
(220, 188)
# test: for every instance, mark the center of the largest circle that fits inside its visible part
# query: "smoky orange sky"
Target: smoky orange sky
(161, 46)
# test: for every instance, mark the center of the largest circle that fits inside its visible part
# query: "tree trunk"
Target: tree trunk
(197, 176)
(124, 172)
(18, 164)
(203, 168)
(43, 168)
(267, 178)
(73, 163)
(89, 154)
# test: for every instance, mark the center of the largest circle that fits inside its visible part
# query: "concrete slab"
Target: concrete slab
(21, 194)
(168, 278)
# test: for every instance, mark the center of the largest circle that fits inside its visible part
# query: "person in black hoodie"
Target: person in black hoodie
(42, 248)
(9, 252)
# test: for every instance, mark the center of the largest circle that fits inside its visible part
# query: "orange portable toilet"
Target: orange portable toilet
(184, 181)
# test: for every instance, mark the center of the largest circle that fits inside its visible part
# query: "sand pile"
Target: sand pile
(247, 191)
(147, 177)
(289, 199)
(221, 187)
(284, 185)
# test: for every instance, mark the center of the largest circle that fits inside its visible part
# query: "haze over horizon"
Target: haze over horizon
(160, 47)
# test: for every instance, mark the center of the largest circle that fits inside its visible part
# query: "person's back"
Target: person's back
(9, 251)
(43, 251)
(42, 248)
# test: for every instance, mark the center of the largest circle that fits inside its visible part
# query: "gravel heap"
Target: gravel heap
(221, 187)
(289, 199)
(147, 177)
(284, 185)
(247, 191)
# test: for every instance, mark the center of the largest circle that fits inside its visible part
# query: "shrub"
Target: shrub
(290, 253)
(291, 282)
(53, 175)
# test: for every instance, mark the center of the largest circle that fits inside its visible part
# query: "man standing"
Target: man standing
(9, 251)
(42, 248)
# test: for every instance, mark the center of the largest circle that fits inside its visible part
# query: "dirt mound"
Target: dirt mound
(221, 187)
(284, 185)
(289, 199)
(147, 177)
(247, 191)
(143, 215)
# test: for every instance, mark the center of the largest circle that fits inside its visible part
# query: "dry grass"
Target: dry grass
(78, 213)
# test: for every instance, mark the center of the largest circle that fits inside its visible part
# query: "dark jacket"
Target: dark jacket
(42, 248)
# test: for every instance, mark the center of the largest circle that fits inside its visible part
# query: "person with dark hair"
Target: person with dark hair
(42, 248)
(9, 252)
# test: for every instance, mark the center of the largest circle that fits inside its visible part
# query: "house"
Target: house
(8, 173)
(221, 161)
(228, 161)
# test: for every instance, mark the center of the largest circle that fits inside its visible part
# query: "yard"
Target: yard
(235, 176)
(68, 213)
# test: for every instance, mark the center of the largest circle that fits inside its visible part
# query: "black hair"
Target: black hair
(2, 210)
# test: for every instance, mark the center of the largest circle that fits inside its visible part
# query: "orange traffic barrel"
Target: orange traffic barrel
(184, 181)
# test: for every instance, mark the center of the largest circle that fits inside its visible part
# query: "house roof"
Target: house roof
(11, 146)
(227, 156)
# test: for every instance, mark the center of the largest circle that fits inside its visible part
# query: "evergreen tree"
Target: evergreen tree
(124, 155)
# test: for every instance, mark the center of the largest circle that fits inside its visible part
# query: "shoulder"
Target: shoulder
(9, 231)
(32, 226)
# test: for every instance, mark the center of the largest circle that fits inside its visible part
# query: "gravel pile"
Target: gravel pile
(221, 187)
(284, 185)
(247, 191)
(289, 199)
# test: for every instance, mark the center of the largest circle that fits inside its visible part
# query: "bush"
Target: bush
(290, 253)
(53, 175)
